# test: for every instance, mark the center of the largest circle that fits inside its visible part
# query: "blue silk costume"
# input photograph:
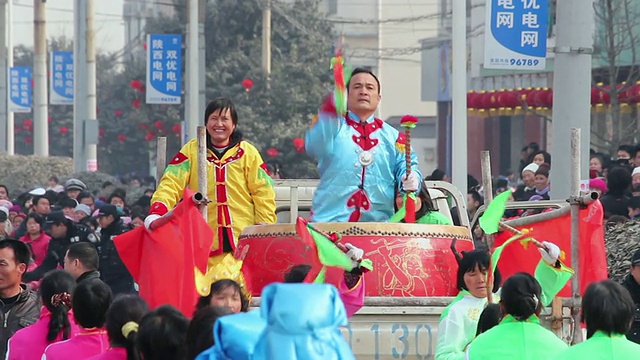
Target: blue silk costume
(303, 323)
(295, 322)
(360, 166)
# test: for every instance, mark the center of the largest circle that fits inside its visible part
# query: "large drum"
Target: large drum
(408, 259)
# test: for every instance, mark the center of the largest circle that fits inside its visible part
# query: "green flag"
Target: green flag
(326, 253)
(490, 220)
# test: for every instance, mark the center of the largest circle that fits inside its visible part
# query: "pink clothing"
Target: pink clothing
(29, 343)
(40, 246)
(85, 344)
(353, 298)
(118, 353)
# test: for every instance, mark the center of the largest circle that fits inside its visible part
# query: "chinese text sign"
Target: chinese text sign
(164, 69)
(20, 91)
(61, 82)
(517, 36)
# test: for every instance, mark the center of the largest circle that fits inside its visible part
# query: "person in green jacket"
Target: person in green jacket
(426, 213)
(607, 310)
(519, 336)
(459, 320)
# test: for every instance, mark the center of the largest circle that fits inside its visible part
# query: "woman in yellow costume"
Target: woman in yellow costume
(239, 188)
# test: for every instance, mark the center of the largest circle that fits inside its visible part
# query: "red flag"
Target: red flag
(163, 261)
(593, 258)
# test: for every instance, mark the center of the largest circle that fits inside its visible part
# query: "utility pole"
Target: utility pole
(571, 90)
(5, 49)
(91, 122)
(192, 66)
(459, 95)
(202, 70)
(40, 113)
(266, 41)
(85, 128)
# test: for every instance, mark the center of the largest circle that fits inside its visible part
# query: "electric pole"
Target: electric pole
(40, 113)
(5, 51)
(192, 67)
(266, 41)
(202, 69)
(459, 95)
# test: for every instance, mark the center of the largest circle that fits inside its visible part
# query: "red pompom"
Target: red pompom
(298, 144)
(158, 124)
(64, 130)
(149, 136)
(122, 137)
(272, 152)
(136, 103)
(177, 129)
(408, 120)
(136, 85)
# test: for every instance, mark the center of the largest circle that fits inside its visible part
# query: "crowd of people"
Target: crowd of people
(66, 294)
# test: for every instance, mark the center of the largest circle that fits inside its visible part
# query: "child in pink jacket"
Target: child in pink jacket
(56, 321)
(91, 300)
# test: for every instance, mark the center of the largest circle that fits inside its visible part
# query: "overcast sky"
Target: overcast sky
(109, 22)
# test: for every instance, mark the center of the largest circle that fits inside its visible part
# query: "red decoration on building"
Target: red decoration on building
(177, 129)
(136, 104)
(64, 130)
(158, 124)
(272, 152)
(247, 84)
(122, 137)
(117, 113)
(49, 119)
(298, 144)
(150, 135)
(27, 124)
(102, 132)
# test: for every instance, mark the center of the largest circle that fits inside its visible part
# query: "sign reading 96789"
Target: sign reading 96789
(517, 37)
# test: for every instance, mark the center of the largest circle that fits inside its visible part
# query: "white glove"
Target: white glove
(354, 253)
(151, 218)
(551, 254)
(410, 183)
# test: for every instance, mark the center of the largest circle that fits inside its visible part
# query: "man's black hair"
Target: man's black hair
(20, 250)
(607, 307)
(361, 70)
(476, 196)
(86, 253)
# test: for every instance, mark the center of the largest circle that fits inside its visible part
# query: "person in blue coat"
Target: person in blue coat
(360, 158)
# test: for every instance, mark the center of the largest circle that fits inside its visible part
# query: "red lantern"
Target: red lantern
(102, 132)
(122, 138)
(144, 46)
(471, 103)
(530, 99)
(624, 93)
(550, 99)
(247, 84)
(595, 96)
(64, 130)
(605, 96)
(298, 144)
(272, 152)
(136, 85)
(149, 136)
(27, 140)
(117, 113)
(136, 103)
(177, 129)
(158, 124)
(488, 100)
(27, 124)
(49, 119)
(634, 93)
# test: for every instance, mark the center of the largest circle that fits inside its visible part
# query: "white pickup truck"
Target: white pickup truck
(399, 327)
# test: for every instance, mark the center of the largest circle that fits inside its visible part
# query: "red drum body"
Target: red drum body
(408, 259)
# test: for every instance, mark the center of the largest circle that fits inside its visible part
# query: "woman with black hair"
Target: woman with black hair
(426, 213)
(200, 333)
(91, 300)
(123, 318)
(607, 310)
(55, 323)
(519, 335)
(459, 321)
(163, 335)
(226, 293)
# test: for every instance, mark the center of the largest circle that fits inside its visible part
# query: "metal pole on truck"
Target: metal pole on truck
(574, 200)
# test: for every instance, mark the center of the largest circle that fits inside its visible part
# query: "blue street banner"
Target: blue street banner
(61, 82)
(20, 92)
(517, 36)
(164, 69)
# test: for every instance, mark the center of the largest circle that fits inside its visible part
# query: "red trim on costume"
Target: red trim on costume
(158, 208)
(364, 140)
(179, 158)
(264, 167)
(402, 139)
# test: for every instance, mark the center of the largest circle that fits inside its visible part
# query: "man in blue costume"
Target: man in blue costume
(360, 158)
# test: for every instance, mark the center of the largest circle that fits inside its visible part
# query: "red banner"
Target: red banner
(162, 262)
(593, 258)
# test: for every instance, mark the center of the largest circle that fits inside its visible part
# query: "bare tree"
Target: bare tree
(615, 73)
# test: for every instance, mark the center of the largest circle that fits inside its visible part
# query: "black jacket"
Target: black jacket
(89, 275)
(112, 270)
(58, 248)
(634, 289)
(24, 312)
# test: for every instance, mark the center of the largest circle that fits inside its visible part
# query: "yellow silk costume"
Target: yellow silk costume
(239, 188)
